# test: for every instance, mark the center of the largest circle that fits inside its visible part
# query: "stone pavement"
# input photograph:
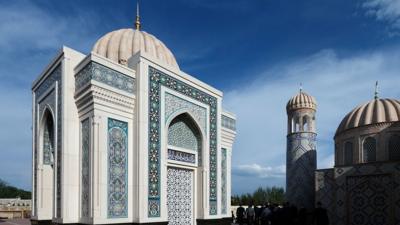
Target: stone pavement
(15, 222)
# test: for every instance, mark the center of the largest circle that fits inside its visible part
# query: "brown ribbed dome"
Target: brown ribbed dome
(301, 101)
(375, 111)
(122, 44)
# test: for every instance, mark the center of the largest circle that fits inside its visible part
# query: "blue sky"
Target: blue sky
(256, 51)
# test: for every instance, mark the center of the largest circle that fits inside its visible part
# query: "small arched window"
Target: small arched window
(348, 153)
(297, 122)
(306, 123)
(369, 150)
(394, 147)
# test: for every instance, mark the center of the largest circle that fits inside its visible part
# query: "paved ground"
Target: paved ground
(15, 222)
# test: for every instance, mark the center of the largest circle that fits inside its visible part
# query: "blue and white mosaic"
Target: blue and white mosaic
(156, 80)
(181, 134)
(105, 75)
(224, 166)
(180, 196)
(85, 195)
(300, 167)
(117, 169)
(175, 104)
(181, 156)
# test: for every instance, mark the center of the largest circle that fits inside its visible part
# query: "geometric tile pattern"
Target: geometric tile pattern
(105, 75)
(117, 169)
(179, 196)
(85, 164)
(157, 79)
(224, 202)
(181, 156)
(369, 199)
(183, 134)
(372, 188)
(54, 77)
(300, 169)
(228, 122)
(173, 104)
(325, 190)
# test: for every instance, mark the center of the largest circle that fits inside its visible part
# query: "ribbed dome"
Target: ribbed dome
(375, 111)
(121, 44)
(300, 101)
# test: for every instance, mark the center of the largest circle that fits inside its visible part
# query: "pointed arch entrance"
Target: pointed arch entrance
(184, 158)
(47, 147)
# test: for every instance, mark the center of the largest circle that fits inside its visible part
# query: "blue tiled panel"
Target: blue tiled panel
(105, 75)
(85, 132)
(157, 79)
(117, 169)
(224, 167)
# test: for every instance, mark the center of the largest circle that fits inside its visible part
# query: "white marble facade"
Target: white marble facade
(120, 140)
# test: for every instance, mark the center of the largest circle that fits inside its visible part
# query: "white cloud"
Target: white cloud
(339, 83)
(29, 37)
(384, 10)
(257, 171)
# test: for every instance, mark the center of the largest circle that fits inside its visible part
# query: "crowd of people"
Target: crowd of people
(286, 214)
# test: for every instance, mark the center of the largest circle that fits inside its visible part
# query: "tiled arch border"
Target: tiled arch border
(157, 79)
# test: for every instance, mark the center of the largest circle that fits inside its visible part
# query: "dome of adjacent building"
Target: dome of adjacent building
(301, 101)
(122, 44)
(373, 112)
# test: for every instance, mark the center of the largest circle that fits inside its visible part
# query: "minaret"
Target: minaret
(301, 154)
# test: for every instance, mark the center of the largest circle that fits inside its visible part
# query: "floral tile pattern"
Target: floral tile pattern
(85, 195)
(105, 75)
(117, 169)
(224, 166)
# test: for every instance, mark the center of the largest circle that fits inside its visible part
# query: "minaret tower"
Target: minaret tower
(301, 161)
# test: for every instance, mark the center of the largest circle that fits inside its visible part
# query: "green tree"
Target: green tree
(274, 195)
(8, 191)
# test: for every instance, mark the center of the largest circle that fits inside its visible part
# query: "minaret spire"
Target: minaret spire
(376, 91)
(137, 22)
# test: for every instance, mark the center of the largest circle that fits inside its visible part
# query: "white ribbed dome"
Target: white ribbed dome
(122, 44)
(301, 101)
(375, 111)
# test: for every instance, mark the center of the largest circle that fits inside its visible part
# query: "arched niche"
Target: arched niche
(185, 148)
(348, 153)
(394, 147)
(47, 137)
(369, 150)
(185, 134)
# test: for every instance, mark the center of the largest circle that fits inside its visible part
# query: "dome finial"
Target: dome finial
(301, 87)
(376, 91)
(137, 22)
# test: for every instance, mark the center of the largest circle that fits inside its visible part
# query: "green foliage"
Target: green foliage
(8, 191)
(273, 195)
